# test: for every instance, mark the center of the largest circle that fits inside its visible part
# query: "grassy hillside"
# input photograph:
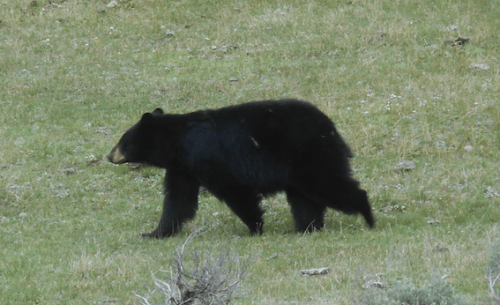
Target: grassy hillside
(74, 75)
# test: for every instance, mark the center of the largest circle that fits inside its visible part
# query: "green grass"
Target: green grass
(74, 75)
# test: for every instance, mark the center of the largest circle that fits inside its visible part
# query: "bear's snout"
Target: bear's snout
(115, 156)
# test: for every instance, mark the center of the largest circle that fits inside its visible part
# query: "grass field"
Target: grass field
(74, 75)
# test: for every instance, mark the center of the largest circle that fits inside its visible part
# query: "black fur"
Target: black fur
(242, 153)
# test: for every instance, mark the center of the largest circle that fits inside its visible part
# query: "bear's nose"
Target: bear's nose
(110, 157)
(115, 156)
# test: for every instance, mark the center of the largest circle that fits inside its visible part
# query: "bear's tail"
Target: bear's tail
(358, 203)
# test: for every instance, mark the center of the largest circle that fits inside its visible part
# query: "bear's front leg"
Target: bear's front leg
(180, 203)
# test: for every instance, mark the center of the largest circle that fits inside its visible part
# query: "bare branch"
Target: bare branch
(200, 275)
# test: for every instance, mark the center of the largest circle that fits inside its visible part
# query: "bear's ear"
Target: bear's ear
(158, 111)
(147, 117)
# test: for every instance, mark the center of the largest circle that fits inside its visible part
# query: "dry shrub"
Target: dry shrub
(199, 275)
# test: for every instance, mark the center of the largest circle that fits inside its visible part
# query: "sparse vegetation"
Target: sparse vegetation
(199, 275)
(392, 75)
(436, 291)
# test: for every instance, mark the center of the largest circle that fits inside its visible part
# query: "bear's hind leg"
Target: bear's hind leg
(308, 215)
(245, 203)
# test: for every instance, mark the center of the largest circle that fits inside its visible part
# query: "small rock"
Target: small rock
(434, 222)
(468, 147)
(405, 165)
(233, 79)
(451, 28)
(315, 271)
(170, 33)
(476, 66)
(23, 214)
(490, 192)
(112, 4)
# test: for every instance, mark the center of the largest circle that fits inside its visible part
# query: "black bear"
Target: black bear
(245, 152)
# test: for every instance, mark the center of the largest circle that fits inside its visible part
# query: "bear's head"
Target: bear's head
(136, 143)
